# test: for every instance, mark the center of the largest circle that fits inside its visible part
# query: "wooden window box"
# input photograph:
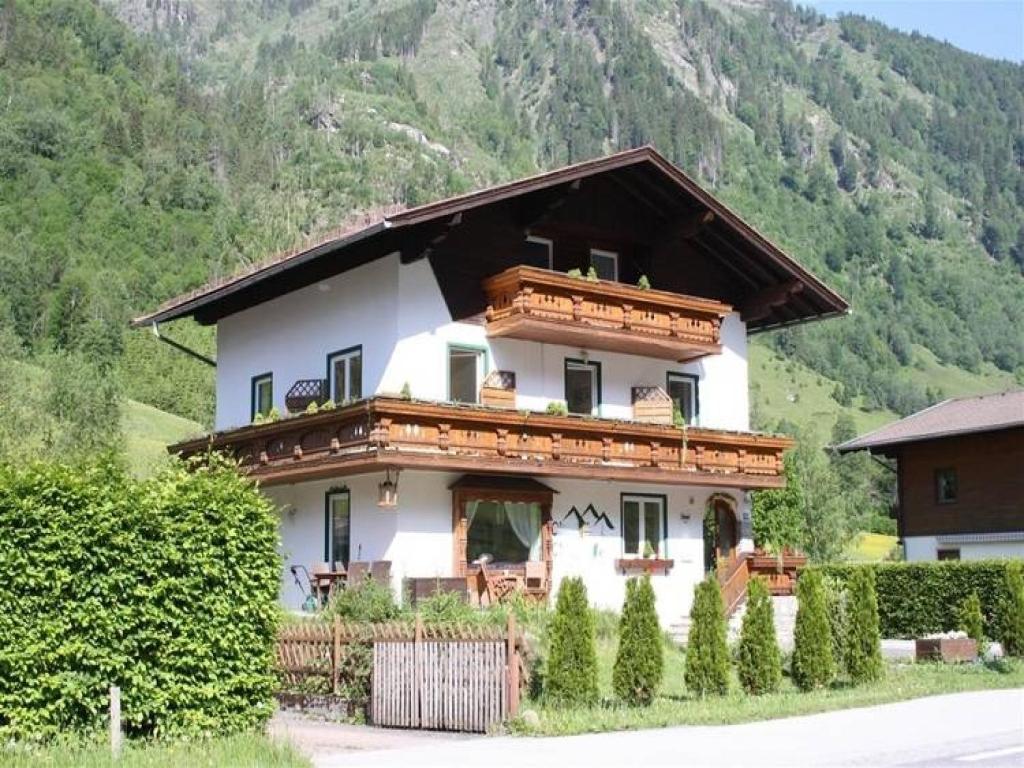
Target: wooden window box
(636, 565)
(947, 649)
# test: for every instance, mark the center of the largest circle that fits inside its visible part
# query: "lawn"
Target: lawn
(870, 547)
(673, 706)
(244, 751)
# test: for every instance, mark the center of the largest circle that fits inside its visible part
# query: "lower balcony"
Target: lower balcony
(384, 432)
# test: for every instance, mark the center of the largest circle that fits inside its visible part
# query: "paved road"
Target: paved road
(966, 730)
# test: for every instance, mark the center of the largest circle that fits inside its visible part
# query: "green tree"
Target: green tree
(1011, 621)
(863, 640)
(760, 664)
(972, 621)
(707, 654)
(813, 664)
(571, 671)
(777, 515)
(640, 661)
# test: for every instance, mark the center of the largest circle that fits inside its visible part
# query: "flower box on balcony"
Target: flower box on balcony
(651, 405)
(304, 392)
(499, 389)
(635, 565)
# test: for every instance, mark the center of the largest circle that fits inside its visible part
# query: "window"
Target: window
(539, 252)
(466, 369)
(507, 531)
(643, 526)
(945, 486)
(605, 263)
(948, 554)
(345, 375)
(262, 395)
(337, 527)
(583, 387)
(682, 388)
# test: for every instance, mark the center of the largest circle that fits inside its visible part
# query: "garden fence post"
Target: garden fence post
(512, 656)
(336, 656)
(417, 653)
(115, 721)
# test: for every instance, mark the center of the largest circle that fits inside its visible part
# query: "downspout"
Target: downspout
(182, 348)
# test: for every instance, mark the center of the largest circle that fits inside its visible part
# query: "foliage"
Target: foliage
(570, 674)
(644, 283)
(760, 663)
(367, 601)
(813, 664)
(640, 661)
(166, 586)
(1011, 612)
(557, 408)
(777, 515)
(707, 655)
(972, 621)
(837, 599)
(863, 658)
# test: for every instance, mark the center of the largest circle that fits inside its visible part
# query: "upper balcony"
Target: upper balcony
(555, 308)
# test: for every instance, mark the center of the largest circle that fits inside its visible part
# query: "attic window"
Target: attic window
(605, 263)
(539, 252)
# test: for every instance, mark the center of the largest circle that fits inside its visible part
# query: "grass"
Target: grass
(147, 433)
(674, 706)
(870, 547)
(242, 751)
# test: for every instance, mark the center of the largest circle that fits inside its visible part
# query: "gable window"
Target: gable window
(682, 388)
(539, 252)
(345, 375)
(262, 395)
(466, 369)
(583, 386)
(337, 528)
(605, 263)
(643, 525)
(945, 486)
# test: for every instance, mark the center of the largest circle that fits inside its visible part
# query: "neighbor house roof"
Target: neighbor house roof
(794, 293)
(958, 416)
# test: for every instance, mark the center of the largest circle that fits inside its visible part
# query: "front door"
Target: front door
(720, 537)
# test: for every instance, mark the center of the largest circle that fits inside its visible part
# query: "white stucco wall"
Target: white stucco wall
(920, 548)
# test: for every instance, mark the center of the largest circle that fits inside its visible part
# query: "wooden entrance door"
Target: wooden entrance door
(720, 535)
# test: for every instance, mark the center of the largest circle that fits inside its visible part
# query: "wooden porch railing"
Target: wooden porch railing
(778, 571)
(733, 578)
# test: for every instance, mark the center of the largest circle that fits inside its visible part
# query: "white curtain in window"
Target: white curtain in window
(471, 507)
(525, 522)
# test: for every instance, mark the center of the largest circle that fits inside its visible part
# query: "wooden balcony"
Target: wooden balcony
(552, 307)
(392, 432)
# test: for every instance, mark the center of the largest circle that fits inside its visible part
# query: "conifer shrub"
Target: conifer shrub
(1011, 610)
(707, 654)
(837, 597)
(640, 661)
(570, 676)
(863, 642)
(813, 664)
(760, 663)
(972, 621)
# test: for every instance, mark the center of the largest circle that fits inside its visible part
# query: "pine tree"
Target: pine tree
(571, 670)
(863, 640)
(1011, 619)
(813, 665)
(707, 655)
(640, 661)
(760, 665)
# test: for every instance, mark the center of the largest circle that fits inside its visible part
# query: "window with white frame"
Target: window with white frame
(338, 528)
(467, 367)
(605, 263)
(583, 387)
(345, 375)
(643, 525)
(539, 252)
(682, 388)
(262, 395)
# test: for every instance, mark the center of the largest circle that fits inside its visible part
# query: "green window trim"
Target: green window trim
(254, 384)
(346, 352)
(695, 380)
(329, 496)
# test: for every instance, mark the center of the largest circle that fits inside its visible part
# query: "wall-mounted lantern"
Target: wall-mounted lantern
(387, 491)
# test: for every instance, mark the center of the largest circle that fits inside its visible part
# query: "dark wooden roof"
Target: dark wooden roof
(501, 483)
(662, 223)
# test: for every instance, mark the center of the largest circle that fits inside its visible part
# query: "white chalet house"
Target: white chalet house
(521, 422)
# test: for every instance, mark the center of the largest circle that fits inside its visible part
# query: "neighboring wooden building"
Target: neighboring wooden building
(960, 477)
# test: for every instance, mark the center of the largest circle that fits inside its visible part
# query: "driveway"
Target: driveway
(979, 729)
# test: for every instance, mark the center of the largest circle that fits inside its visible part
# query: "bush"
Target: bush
(863, 643)
(166, 587)
(367, 601)
(971, 620)
(1011, 612)
(640, 661)
(557, 408)
(760, 665)
(707, 655)
(570, 677)
(915, 599)
(837, 599)
(813, 664)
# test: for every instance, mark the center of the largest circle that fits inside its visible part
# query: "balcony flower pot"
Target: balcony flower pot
(637, 565)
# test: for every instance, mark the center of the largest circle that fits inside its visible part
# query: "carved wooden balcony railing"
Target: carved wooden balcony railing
(391, 432)
(541, 305)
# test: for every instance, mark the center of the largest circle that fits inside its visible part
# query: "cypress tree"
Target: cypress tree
(813, 665)
(1011, 620)
(760, 665)
(571, 671)
(863, 641)
(707, 655)
(972, 621)
(640, 660)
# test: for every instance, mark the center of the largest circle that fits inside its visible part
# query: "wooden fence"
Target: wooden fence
(455, 678)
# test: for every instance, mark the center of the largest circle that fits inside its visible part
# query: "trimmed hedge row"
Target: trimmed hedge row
(167, 587)
(915, 599)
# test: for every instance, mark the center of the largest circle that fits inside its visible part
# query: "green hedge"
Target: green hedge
(915, 599)
(167, 587)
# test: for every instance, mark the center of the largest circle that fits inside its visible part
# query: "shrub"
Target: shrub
(1011, 612)
(707, 655)
(972, 621)
(863, 643)
(166, 587)
(837, 599)
(574, 273)
(640, 661)
(312, 408)
(406, 392)
(273, 415)
(644, 283)
(330, 405)
(570, 677)
(557, 408)
(366, 601)
(592, 275)
(813, 665)
(760, 665)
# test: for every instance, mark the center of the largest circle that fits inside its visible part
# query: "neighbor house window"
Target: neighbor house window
(605, 263)
(583, 386)
(643, 526)
(945, 486)
(345, 375)
(505, 531)
(337, 527)
(262, 395)
(466, 369)
(682, 388)
(539, 252)
(948, 554)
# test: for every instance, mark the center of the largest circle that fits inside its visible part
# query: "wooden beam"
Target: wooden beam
(761, 304)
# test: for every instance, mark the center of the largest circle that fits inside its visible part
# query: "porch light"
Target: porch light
(387, 491)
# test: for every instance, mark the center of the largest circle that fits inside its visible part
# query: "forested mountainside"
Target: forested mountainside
(147, 145)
